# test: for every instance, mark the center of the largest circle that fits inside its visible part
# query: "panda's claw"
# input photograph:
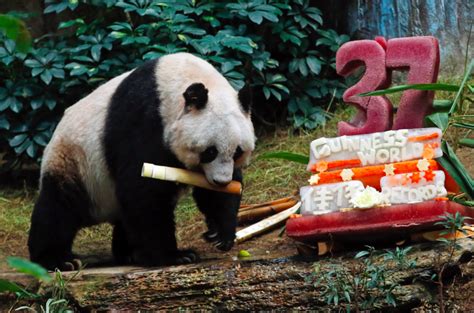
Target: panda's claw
(66, 267)
(210, 235)
(77, 264)
(187, 257)
(225, 245)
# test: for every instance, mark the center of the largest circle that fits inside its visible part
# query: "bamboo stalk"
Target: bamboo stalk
(256, 213)
(180, 175)
(265, 224)
(264, 204)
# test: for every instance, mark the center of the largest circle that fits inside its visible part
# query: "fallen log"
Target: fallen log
(258, 284)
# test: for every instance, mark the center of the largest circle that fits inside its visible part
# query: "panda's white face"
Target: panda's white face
(206, 123)
(211, 138)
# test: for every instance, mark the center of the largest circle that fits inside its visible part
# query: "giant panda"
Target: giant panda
(177, 111)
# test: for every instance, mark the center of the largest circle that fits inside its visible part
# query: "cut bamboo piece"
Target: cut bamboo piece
(244, 208)
(183, 176)
(260, 212)
(265, 224)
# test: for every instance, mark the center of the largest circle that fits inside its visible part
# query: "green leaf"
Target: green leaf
(46, 76)
(27, 267)
(394, 89)
(118, 35)
(464, 125)
(31, 150)
(4, 124)
(17, 140)
(33, 63)
(467, 142)
(8, 286)
(442, 105)
(16, 30)
(285, 155)
(50, 103)
(41, 139)
(314, 64)
(463, 83)
(439, 120)
(4, 104)
(36, 71)
(57, 72)
(266, 92)
(302, 67)
(15, 104)
(450, 162)
(256, 17)
(36, 103)
(361, 254)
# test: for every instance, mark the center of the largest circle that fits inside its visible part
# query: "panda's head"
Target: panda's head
(213, 131)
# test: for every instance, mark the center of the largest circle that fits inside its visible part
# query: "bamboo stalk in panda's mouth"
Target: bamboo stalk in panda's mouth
(187, 177)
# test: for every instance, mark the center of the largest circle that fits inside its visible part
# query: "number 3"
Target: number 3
(418, 55)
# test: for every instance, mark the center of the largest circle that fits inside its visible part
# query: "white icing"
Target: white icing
(396, 192)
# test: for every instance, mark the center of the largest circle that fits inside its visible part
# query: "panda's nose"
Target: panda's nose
(220, 182)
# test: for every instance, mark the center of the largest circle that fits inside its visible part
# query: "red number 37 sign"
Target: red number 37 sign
(417, 55)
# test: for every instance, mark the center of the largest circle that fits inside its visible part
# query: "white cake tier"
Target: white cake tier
(413, 187)
(327, 198)
(377, 148)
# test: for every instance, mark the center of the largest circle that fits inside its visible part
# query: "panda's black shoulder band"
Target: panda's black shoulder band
(245, 98)
(196, 96)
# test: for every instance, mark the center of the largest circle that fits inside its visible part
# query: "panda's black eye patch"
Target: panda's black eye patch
(208, 155)
(238, 153)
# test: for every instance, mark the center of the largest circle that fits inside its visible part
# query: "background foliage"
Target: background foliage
(279, 47)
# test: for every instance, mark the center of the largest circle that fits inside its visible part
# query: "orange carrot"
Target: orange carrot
(336, 164)
(424, 137)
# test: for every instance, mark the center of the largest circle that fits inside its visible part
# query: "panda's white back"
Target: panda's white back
(77, 146)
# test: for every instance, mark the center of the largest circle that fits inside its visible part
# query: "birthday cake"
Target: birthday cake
(378, 169)
(372, 187)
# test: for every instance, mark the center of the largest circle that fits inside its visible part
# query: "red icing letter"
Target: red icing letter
(420, 55)
(375, 113)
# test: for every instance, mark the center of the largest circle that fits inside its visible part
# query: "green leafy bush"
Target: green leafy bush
(278, 47)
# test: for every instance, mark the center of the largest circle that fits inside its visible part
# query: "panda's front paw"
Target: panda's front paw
(213, 237)
(186, 257)
(210, 235)
(224, 245)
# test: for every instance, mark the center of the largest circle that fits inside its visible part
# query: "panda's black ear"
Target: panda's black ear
(195, 96)
(245, 98)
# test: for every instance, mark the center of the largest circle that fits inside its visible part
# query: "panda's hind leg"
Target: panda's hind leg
(60, 211)
(121, 247)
